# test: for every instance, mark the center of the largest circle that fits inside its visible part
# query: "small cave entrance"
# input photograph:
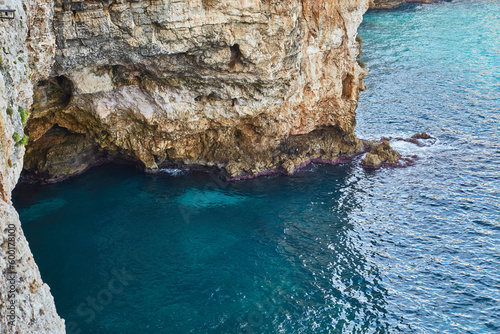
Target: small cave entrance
(236, 56)
(66, 88)
(58, 153)
(61, 153)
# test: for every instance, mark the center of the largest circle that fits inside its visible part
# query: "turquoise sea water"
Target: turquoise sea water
(331, 249)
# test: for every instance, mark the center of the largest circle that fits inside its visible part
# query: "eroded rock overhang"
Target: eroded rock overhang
(245, 86)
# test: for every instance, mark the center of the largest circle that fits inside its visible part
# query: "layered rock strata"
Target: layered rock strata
(26, 305)
(245, 86)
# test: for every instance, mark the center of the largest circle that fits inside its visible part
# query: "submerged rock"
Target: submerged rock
(380, 155)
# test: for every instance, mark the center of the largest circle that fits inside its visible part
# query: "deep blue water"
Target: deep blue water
(331, 249)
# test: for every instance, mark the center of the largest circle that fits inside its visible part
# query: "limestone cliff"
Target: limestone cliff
(386, 4)
(245, 86)
(26, 305)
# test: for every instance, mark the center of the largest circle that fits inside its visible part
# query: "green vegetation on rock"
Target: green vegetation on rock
(24, 140)
(24, 114)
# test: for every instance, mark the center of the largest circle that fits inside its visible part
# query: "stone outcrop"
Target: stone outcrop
(422, 135)
(26, 305)
(245, 86)
(381, 154)
(387, 4)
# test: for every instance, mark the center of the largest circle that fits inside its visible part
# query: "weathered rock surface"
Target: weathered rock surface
(422, 135)
(26, 305)
(386, 4)
(381, 154)
(245, 86)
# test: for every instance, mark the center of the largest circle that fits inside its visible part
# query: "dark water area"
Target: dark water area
(331, 249)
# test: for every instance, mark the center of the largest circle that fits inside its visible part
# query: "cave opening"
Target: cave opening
(236, 55)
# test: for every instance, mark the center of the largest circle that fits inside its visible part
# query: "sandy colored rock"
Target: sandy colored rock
(23, 56)
(34, 308)
(372, 160)
(288, 166)
(422, 135)
(381, 153)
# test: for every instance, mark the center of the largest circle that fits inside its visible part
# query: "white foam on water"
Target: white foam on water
(174, 171)
(430, 146)
(405, 148)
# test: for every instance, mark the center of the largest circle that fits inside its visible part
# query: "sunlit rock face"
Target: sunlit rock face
(26, 51)
(245, 86)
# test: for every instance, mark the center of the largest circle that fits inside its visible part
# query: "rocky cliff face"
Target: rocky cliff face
(26, 305)
(245, 86)
(386, 4)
